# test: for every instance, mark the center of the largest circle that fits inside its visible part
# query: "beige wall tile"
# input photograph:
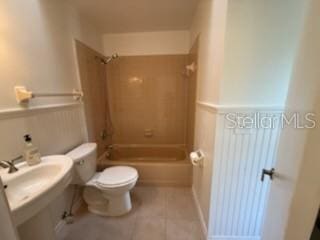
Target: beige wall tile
(191, 96)
(148, 93)
(93, 82)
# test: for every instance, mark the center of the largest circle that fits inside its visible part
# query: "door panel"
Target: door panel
(238, 194)
(295, 192)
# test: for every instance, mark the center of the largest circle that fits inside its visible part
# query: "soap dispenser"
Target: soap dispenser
(31, 153)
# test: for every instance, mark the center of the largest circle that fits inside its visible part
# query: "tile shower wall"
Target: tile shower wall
(93, 81)
(192, 96)
(148, 99)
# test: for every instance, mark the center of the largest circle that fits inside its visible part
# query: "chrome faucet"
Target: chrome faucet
(10, 164)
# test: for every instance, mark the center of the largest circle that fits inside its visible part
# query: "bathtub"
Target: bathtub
(158, 165)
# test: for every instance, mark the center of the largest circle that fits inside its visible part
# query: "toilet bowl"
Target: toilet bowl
(107, 193)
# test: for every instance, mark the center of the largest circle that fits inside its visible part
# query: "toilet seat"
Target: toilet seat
(116, 177)
(113, 177)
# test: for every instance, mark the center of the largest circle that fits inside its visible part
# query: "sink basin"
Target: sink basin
(32, 188)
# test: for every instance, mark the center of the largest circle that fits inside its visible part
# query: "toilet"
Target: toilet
(107, 193)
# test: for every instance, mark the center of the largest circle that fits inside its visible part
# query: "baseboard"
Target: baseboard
(61, 224)
(203, 224)
(232, 238)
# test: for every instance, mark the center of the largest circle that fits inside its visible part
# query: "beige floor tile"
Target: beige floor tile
(157, 214)
(150, 193)
(151, 201)
(86, 227)
(180, 204)
(183, 230)
(116, 230)
(93, 227)
(149, 229)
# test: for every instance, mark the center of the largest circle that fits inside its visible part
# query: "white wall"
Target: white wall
(261, 42)
(147, 43)
(208, 26)
(37, 50)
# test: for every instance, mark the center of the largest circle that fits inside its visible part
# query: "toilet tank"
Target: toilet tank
(85, 162)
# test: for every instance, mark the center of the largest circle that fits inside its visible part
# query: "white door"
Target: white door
(290, 153)
(295, 191)
(7, 230)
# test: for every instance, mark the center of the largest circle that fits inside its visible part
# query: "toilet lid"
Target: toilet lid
(115, 176)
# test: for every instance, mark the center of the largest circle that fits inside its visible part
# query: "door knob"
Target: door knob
(270, 173)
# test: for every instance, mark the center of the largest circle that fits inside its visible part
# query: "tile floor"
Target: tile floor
(157, 214)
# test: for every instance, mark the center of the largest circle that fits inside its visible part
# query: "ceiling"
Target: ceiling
(119, 16)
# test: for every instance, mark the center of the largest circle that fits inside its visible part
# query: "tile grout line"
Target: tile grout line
(165, 213)
(134, 222)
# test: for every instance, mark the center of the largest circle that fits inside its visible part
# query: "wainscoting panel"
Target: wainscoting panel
(58, 131)
(238, 197)
(233, 238)
(54, 130)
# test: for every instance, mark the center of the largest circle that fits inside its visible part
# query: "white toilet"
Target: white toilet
(107, 193)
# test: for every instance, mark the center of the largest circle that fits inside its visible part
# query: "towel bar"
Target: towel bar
(23, 95)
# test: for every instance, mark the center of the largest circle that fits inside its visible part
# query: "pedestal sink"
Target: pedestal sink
(32, 188)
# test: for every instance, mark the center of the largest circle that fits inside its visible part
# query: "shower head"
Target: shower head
(107, 60)
(189, 69)
(113, 56)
